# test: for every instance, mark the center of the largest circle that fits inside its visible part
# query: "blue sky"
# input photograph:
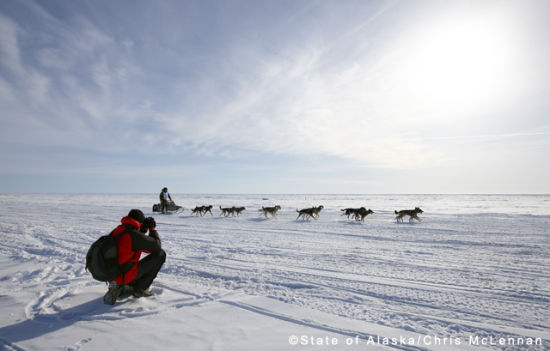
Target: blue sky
(275, 96)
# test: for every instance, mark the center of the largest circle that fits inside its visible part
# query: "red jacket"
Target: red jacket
(131, 245)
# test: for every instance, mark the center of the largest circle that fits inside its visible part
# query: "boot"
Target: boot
(111, 295)
(127, 290)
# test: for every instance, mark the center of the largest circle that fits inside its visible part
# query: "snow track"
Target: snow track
(475, 266)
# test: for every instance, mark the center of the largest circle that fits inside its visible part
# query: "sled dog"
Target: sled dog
(317, 209)
(271, 210)
(305, 213)
(358, 214)
(349, 211)
(362, 213)
(312, 212)
(197, 210)
(206, 209)
(201, 210)
(413, 214)
(226, 211)
(238, 210)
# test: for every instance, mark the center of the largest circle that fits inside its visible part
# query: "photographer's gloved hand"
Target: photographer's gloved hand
(143, 229)
(150, 222)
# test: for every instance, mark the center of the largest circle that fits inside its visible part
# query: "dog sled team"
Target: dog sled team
(167, 205)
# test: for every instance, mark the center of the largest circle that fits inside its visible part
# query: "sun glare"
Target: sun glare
(464, 63)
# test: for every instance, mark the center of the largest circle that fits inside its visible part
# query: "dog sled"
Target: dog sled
(171, 208)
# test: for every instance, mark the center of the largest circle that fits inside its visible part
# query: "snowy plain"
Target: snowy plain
(473, 275)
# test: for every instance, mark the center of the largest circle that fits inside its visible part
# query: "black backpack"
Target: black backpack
(102, 258)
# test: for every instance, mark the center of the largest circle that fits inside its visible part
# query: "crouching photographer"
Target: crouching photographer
(139, 274)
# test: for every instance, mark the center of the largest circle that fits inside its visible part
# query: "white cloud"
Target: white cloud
(9, 50)
(79, 94)
(300, 89)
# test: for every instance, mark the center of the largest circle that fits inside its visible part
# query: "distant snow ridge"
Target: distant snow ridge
(475, 273)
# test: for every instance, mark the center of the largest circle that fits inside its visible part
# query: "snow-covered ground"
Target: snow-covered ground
(473, 274)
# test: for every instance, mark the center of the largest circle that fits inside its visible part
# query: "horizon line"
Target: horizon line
(282, 193)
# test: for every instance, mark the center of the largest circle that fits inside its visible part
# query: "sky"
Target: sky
(281, 96)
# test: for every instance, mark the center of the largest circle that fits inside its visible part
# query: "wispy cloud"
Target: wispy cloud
(72, 87)
(308, 79)
(90, 87)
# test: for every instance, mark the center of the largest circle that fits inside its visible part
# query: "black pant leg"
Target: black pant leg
(148, 269)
